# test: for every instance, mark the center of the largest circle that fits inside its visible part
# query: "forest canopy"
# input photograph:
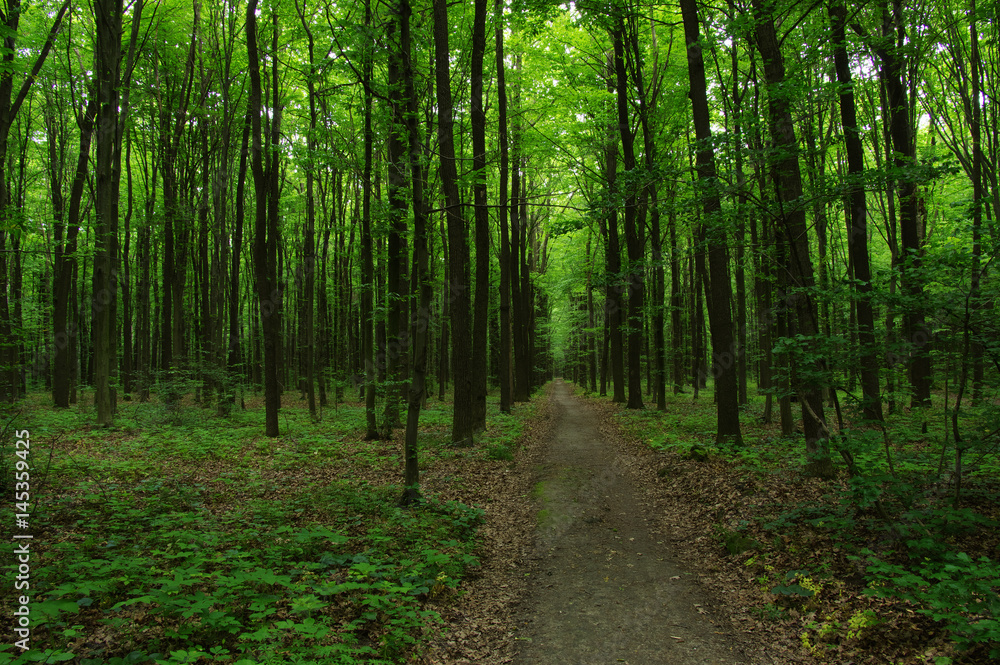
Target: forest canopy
(213, 197)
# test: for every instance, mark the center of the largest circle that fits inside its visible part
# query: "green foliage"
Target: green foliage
(953, 588)
(270, 559)
(734, 541)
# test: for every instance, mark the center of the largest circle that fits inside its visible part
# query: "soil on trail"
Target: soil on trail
(603, 587)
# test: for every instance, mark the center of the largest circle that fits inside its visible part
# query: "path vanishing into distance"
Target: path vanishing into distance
(606, 590)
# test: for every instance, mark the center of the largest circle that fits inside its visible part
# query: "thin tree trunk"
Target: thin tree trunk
(396, 266)
(634, 278)
(857, 222)
(506, 375)
(612, 253)
(367, 255)
(65, 263)
(421, 278)
(109, 15)
(482, 221)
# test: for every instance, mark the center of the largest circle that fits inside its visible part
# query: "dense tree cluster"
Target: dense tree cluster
(401, 198)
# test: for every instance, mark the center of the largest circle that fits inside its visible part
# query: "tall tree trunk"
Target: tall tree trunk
(367, 255)
(857, 222)
(481, 314)
(264, 165)
(458, 248)
(235, 359)
(633, 245)
(978, 198)
(396, 266)
(421, 277)
(107, 56)
(904, 161)
(521, 370)
(787, 180)
(65, 262)
(720, 306)
(676, 303)
(612, 253)
(506, 376)
(307, 339)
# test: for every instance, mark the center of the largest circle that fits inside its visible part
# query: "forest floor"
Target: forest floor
(573, 531)
(602, 544)
(589, 574)
(606, 586)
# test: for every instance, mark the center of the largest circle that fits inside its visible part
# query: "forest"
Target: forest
(309, 274)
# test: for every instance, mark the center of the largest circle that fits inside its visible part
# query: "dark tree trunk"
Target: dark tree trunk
(367, 255)
(521, 370)
(723, 349)
(65, 262)
(108, 50)
(235, 360)
(264, 165)
(612, 255)
(634, 276)
(676, 304)
(857, 221)
(307, 333)
(421, 280)
(506, 376)
(396, 265)
(903, 154)
(787, 180)
(482, 225)
(978, 197)
(463, 425)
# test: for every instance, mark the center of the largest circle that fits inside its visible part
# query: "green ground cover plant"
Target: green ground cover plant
(891, 556)
(194, 539)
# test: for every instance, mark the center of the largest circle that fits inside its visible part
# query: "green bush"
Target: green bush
(954, 589)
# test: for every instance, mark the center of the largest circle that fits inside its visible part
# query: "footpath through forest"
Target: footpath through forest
(606, 589)
(583, 575)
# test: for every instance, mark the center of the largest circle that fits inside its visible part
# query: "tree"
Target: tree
(482, 222)
(463, 424)
(264, 166)
(857, 219)
(10, 17)
(723, 347)
(634, 276)
(421, 281)
(506, 376)
(797, 266)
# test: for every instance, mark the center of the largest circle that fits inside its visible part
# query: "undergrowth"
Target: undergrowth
(193, 539)
(856, 558)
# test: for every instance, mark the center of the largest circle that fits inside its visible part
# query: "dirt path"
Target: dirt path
(605, 589)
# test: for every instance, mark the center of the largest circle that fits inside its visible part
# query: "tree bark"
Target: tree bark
(107, 56)
(612, 253)
(66, 233)
(723, 349)
(463, 424)
(264, 165)
(857, 222)
(367, 255)
(482, 220)
(634, 277)
(787, 180)
(506, 376)
(421, 277)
